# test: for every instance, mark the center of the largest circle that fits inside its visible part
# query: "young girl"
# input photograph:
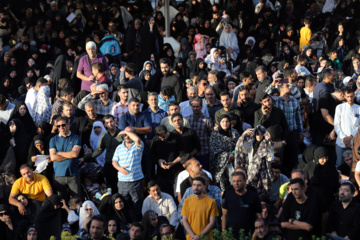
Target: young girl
(214, 60)
(96, 133)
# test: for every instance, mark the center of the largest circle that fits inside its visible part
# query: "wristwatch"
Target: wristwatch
(292, 220)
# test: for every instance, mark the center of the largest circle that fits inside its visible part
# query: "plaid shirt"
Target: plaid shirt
(118, 110)
(203, 127)
(292, 112)
(101, 108)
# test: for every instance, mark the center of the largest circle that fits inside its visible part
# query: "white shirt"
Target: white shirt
(164, 207)
(186, 110)
(183, 175)
(346, 122)
(30, 101)
(5, 114)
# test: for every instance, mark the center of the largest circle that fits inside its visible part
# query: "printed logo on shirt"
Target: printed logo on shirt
(297, 215)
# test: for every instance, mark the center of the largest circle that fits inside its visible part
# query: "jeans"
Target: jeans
(133, 191)
(339, 154)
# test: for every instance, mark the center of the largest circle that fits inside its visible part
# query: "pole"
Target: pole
(167, 18)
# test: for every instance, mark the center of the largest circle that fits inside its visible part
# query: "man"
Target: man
(262, 230)
(201, 84)
(185, 108)
(122, 106)
(263, 82)
(279, 179)
(225, 100)
(247, 81)
(127, 160)
(129, 78)
(193, 167)
(165, 151)
(6, 107)
(346, 123)
(199, 212)
(66, 96)
(153, 114)
(162, 203)
(166, 121)
(246, 105)
(33, 185)
(30, 99)
(167, 231)
(103, 105)
(344, 214)
(136, 231)
(68, 111)
(188, 136)
(218, 86)
(212, 103)
(203, 127)
(240, 207)
(97, 228)
(326, 86)
(299, 217)
(108, 142)
(64, 149)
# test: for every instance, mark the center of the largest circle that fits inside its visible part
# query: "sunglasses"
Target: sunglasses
(101, 93)
(3, 214)
(61, 125)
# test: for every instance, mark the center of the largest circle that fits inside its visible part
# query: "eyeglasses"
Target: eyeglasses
(101, 93)
(3, 214)
(61, 125)
(204, 84)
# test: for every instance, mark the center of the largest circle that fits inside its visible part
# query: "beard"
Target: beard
(197, 192)
(344, 199)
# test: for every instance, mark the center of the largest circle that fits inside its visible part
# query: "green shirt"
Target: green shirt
(222, 111)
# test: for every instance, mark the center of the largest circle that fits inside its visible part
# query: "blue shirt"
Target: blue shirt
(139, 120)
(320, 89)
(131, 158)
(68, 167)
(164, 105)
(154, 118)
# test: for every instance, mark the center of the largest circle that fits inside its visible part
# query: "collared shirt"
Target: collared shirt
(292, 111)
(5, 114)
(118, 110)
(101, 108)
(30, 101)
(203, 127)
(138, 120)
(57, 107)
(154, 118)
(186, 110)
(184, 175)
(131, 158)
(320, 89)
(34, 190)
(346, 121)
(165, 206)
(212, 109)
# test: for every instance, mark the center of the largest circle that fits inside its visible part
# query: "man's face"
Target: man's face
(350, 97)
(239, 183)
(261, 75)
(248, 81)
(195, 167)
(110, 124)
(202, 84)
(244, 96)
(196, 107)
(153, 101)
(155, 192)
(297, 190)
(124, 94)
(165, 69)
(225, 101)
(91, 112)
(134, 107)
(345, 194)
(135, 233)
(197, 187)
(332, 77)
(191, 93)
(285, 88)
(348, 160)
(69, 97)
(68, 111)
(91, 51)
(165, 233)
(211, 78)
(178, 122)
(103, 94)
(260, 229)
(97, 229)
(174, 109)
(27, 174)
(209, 95)
(276, 173)
(63, 126)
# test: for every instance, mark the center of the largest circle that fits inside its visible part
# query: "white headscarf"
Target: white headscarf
(248, 39)
(210, 58)
(230, 40)
(94, 141)
(83, 214)
(42, 105)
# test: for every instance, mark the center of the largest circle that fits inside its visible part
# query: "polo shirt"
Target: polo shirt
(34, 190)
(131, 158)
(68, 167)
(154, 118)
(138, 120)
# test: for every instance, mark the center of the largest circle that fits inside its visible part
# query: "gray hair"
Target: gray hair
(152, 94)
(192, 88)
(346, 153)
(261, 67)
(196, 100)
(90, 44)
(89, 104)
(102, 86)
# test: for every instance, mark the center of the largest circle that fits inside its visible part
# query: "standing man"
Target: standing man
(31, 95)
(225, 100)
(121, 107)
(170, 79)
(263, 82)
(64, 152)
(212, 103)
(240, 207)
(127, 160)
(131, 80)
(199, 212)
(166, 121)
(201, 84)
(66, 96)
(6, 108)
(326, 86)
(246, 105)
(185, 108)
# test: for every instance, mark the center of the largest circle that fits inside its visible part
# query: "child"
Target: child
(216, 62)
(166, 95)
(98, 72)
(95, 190)
(333, 57)
(305, 33)
(300, 68)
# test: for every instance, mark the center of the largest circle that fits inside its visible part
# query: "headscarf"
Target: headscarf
(230, 40)
(83, 214)
(225, 132)
(248, 39)
(184, 52)
(113, 78)
(122, 215)
(22, 141)
(42, 106)
(210, 58)
(149, 231)
(152, 67)
(26, 120)
(94, 141)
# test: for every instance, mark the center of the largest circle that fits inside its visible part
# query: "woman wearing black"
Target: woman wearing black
(152, 222)
(21, 112)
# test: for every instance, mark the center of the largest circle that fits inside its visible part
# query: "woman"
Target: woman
(181, 69)
(7, 163)
(84, 69)
(21, 112)
(38, 148)
(87, 211)
(254, 152)
(114, 73)
(223, 140)
(216, 62)
(250, 41)
(152, 222)
(200, 42)
(229, 40)
(113, 228)
(7, 228)
(97, 131)
(199, 68)
(43, 106)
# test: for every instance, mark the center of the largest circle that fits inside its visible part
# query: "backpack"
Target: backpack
(110, 45)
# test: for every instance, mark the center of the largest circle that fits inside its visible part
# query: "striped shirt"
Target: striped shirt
(131, 158)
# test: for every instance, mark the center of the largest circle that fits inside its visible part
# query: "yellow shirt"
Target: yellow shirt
(198, 213)
(34, 190)
(305, 34)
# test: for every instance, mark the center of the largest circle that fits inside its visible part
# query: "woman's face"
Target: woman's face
(224, 123)
(207, 24)
(6, 56)
(23, 200)
(31, 62)
(323, 160)
(350, 84)
(13, 62)
(112, 227)
(22, 110)
(12, 127)
(241, 34)
(119, 204)
(39, 147)
(13, 74)
(201, 65)
(250, 43)
(233, 123)
(97, 130)
(152, 20)
(148, 66)
(147, 76)
(227, 28)
(169, 52)
(61, 34)
(31, 236)
(152, 58)
(259, 137)
(262, 44)
(301, 83)
(216, 54)
(154, 221)
(273, 69)
(265, 213)
(308, 52)
(30, 74)
(113, 70)
(231, 85)
(89, 211)
(7, 82)
(341, 42)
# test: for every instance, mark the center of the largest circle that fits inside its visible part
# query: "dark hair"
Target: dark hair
(134, 100)
(242, 88)
(137, 224)
(262, 220)
(307, 20)
(165, 61)
(108, 116)
(173, 103)
(62, 118)
(276, 165)
(99, 218)
(288, 71)
(238, 174)
(327, 72)
(73, 201)
(261, 67)
(66, 91)
(350, 184)
(24, 166)
(348, 90)
(2, 98)
(167, 91)
(201, 179)
(122, 86)
(160, 129)
(41, 81)
(98, 66)
(198, 80)
(131, 68)
(197, 99)
(299, 171)
(300, 181)
(151, 183)
(224, 93)
(176, 115)
(244, 74)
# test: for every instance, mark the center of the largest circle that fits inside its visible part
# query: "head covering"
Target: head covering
(26, 120)
(320, 152)
(31, 229)
(152, 67)
(83, 214)
(260, 130)
(122, 215)
(346, 80)
(229, 40)
(225, 132)
(94, 141)
(248, 39)
(210, 58)
(42, 106)
(185, 52)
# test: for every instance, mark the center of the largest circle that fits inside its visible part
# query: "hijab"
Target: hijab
(184, 52)
(115, 77)
(149, 230)
(43, 107)
(94, 141)
(83, 214)
(225, 132)
(26, 120)
(248, 39)
(122, 215)
(229, 40)
(22, 141)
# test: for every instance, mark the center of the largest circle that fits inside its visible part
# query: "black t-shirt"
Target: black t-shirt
(185, 184)
(248, 112)
(241, 210)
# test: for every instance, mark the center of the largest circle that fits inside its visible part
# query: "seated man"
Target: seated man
(33, 185)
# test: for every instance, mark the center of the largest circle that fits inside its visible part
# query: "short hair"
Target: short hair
(151, 183)
(62, 118)
(167, 91)
(261, 67)
(350, 184)
(242, 88)
(160, 129)
(192, 88)
(203, 175)
(138, 225)
(309, 82)
(108, 116)
(197, 99)
(99, 218)
(238, 174)
(134, 100)
(327, 72)
(24, 166)
(172, 229)
(165, 61)
(152, 94)
(176, 115)
(121, 87)
(300, 181)
(67, 104)
(307, 20)
(173, 103)
(188, 162)
(102, 86)
(276, 165)
(74, 201)
(211, 88)
(262, 220)
(214, 72)
(66, 91)
(225, 93)
(299, 171)
(41, 81)
(131, 68)
(288, 71)
(201, 79)
(89, 104)
(348, 90)
(98, 66)
(346, 153)
(2, 98)
(340, 90)
(201, 179)
(245, 74)
(90, 44)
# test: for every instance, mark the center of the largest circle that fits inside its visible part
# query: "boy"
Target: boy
(98, 72)
(305, 33)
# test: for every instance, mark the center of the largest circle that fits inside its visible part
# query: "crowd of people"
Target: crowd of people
(249, 127)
